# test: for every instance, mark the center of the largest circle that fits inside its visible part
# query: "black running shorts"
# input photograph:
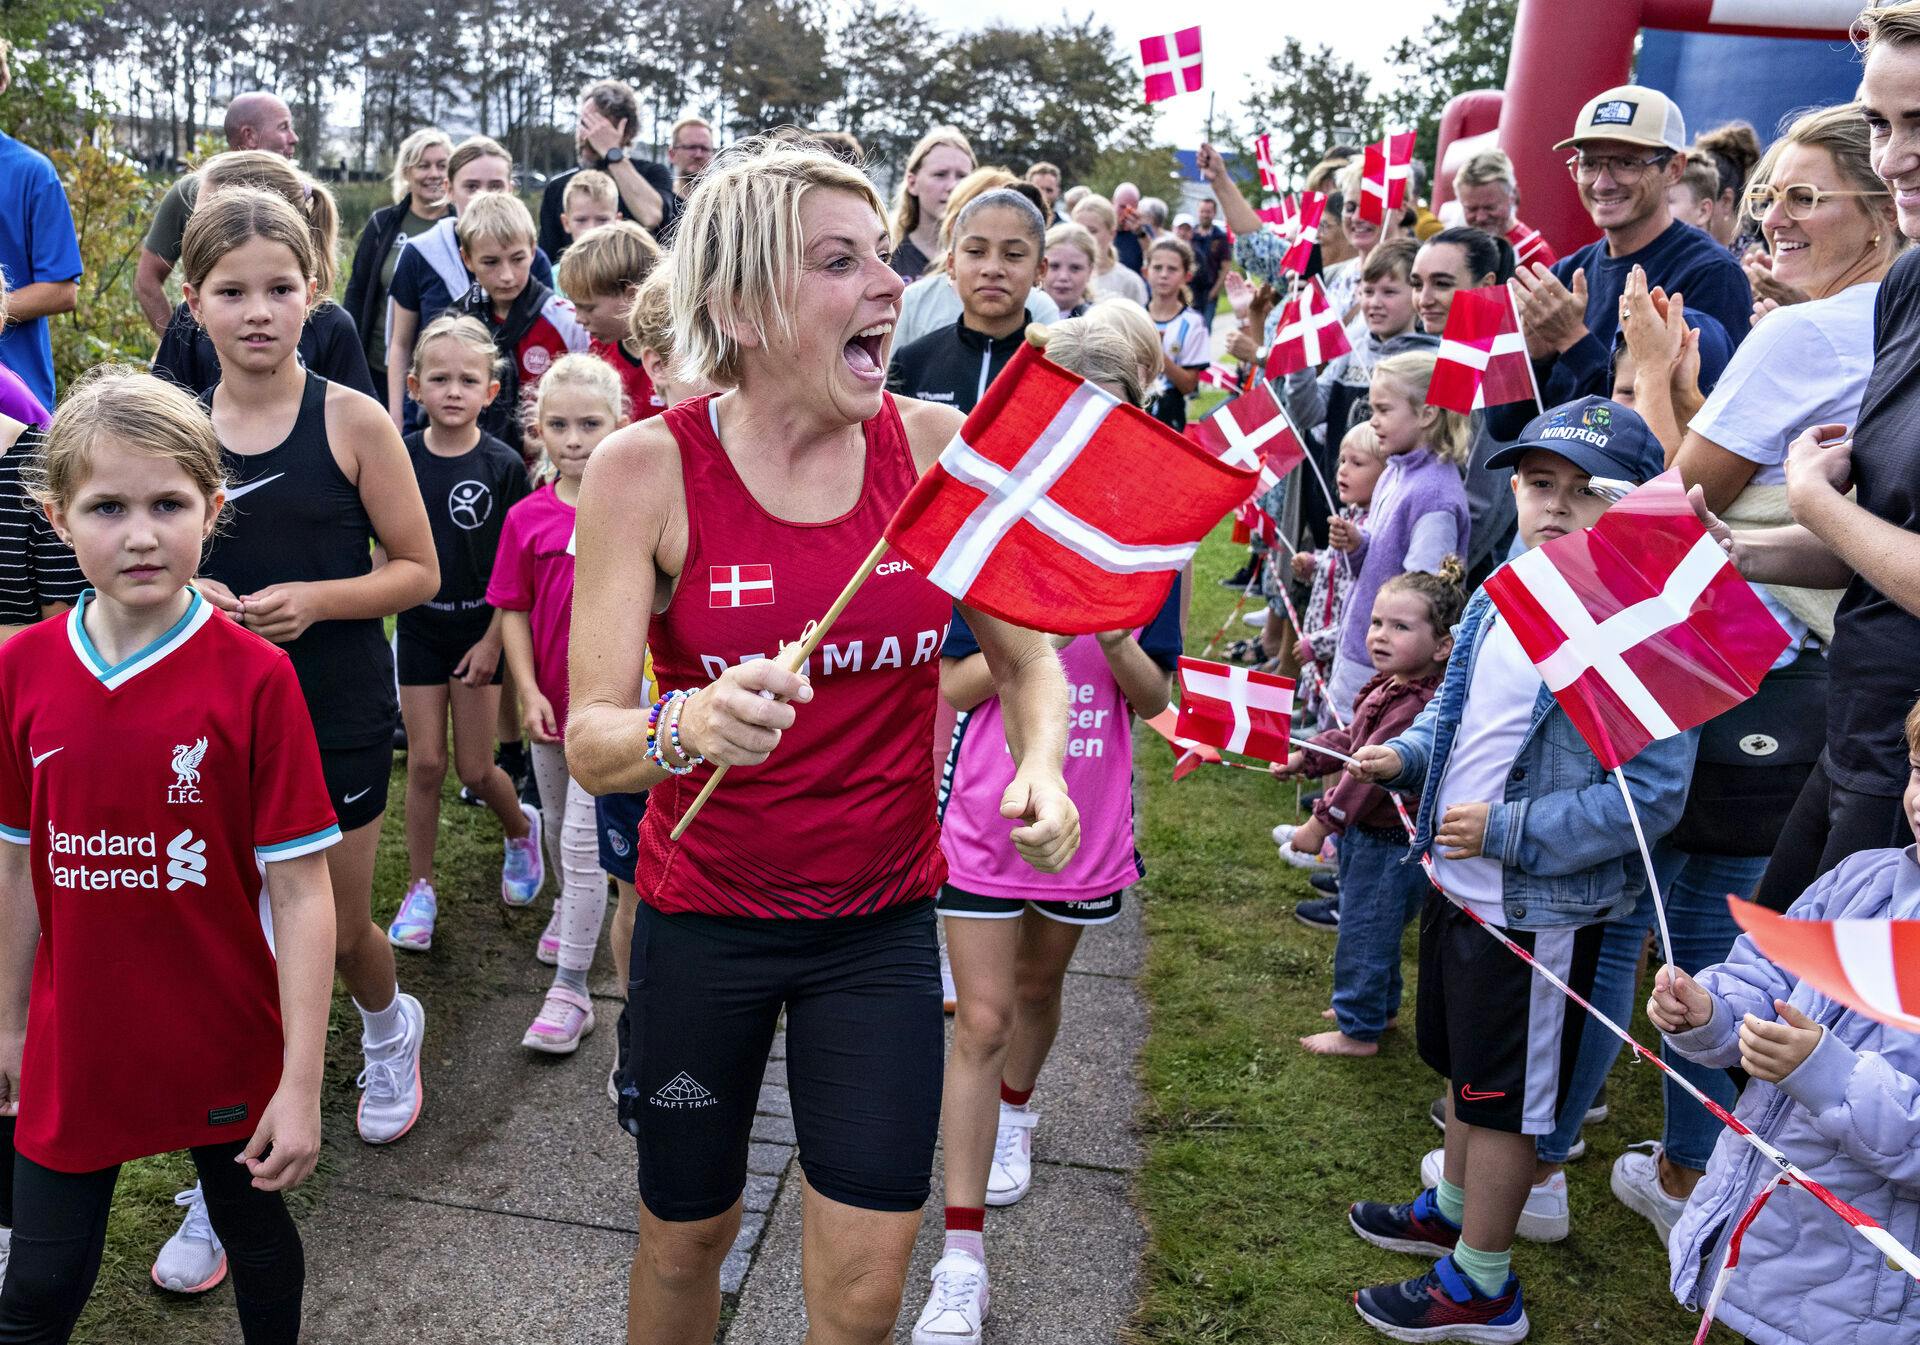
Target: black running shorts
(865, 1045)
(1503, 1038)
(972, 906)
(432, 645)
(357, 782)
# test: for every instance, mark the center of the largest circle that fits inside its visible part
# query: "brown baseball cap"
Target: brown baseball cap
(1634, 114)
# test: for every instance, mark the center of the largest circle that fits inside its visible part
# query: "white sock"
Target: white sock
(383, 1027)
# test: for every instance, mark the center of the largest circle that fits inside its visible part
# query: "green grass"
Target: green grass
(478, 933)
(1255, 1149)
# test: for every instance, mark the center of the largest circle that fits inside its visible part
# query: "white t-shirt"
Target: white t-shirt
(1802, 365)
(1493, 723)
(1123, 281)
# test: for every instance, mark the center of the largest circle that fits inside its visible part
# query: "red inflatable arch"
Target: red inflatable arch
(1565, 52)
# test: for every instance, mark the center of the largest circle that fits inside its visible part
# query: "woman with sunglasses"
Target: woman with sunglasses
(1831, 234)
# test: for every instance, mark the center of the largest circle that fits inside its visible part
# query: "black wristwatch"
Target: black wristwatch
(614, 155)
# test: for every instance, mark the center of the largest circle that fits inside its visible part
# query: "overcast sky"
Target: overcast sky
(1235, 52)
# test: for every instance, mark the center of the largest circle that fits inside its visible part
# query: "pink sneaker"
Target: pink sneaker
(564, 1019)
(548, 949)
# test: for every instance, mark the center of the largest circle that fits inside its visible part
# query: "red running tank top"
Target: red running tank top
(840, 820)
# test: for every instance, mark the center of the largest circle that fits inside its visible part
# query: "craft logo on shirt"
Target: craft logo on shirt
(536, 360)
(682, 1093)
(739, 585)
(186, 771)
(470, 504)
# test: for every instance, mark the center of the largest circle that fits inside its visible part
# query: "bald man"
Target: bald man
(253, 121)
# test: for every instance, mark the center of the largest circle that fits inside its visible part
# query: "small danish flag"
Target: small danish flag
(1640, 626)
(1310, 333)
(1253, 430)
(1263, 160)
(739, 585)
(1386, 171)
(1482, 360)
(1235, 709)
(1305, 231)
(1871, 966)
(1172, 63)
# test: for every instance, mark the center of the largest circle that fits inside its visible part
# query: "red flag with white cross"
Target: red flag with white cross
(1482, 360)
(1871, 966)
(1386, 172)
(1639, 625)
(1310, 333)
(1171, 63)
(1263, 160)
(739, 585)
(1306, 231)
(1253, 431)
(1235, 709)
(1061, 508)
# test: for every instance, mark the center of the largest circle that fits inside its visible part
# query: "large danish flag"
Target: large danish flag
(1061, 508)
(1172, 63)
(1263, 160)
(1235, 709)
(1253, 431)
(1310, 333)
(1386, 171)
(739, 585)
(1639, 625)
(1482, 359)
(1871, 966)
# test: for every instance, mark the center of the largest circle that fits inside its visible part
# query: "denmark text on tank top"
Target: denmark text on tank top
(293, 517)
(840, 819)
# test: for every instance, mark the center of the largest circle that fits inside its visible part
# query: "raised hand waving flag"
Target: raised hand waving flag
(1061, 508)
(1386, 171)
(1172, 63)
(1482, 360)
(1309, 334)
(1235, 709)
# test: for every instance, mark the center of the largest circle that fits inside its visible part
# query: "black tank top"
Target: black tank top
(292, 516)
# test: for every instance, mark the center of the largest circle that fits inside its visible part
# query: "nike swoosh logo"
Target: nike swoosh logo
(235, 492)
(1470, 1094)
(361, 795)
(44, 755)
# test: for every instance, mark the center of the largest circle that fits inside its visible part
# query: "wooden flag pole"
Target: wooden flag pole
(793, 657)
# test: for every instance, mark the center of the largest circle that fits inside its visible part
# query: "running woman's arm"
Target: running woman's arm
(627, 542)
(536, 711)
(370, 452)
(19, 938)
(285, 1147)
(405, 327)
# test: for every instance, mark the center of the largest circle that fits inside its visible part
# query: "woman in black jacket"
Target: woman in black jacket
(420, 202)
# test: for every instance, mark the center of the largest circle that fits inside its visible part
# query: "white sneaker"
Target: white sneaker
(956, 1306)
(1545, 1217)
(390, 1094)
(1011, 1175)
(1254, 620)
(193, 1261)
(1636, 1184)
(6, 1252)
(949, 997)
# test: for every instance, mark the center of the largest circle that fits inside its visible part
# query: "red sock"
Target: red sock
(1014, 1097)
(966, 1218)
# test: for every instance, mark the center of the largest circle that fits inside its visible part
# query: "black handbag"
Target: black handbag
(1753, 761)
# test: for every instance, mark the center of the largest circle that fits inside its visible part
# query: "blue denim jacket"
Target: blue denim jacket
(1561, 829)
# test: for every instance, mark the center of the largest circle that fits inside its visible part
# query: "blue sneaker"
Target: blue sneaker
(412, 926)
(1444, 1304)
(1417, 1227)
(1319, 913)
(525, 868)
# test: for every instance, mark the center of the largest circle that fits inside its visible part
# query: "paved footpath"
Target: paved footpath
(509, 1213)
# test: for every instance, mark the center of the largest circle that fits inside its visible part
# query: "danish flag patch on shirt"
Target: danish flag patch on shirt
(739, 585)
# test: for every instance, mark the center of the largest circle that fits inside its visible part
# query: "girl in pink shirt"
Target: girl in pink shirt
(579, 403)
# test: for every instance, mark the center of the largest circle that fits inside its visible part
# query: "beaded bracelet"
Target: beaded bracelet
(663, 723)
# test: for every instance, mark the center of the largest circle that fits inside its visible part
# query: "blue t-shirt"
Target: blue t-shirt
(37, 246)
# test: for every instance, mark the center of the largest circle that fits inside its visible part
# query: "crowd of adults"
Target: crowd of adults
(1754, 305)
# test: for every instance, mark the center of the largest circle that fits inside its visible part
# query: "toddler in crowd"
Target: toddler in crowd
(1330, 573)
(1526, 830)
(1833, 1088)
(1409, 638)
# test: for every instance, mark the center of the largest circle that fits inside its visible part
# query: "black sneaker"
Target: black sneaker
(1319, 913)
(471, 799)
(1416, 1227)
(1322, 881)
(1444, 1304)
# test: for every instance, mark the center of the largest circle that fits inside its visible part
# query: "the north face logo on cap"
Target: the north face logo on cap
(1614, 112)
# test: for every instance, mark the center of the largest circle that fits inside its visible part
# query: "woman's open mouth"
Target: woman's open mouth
(863, 352)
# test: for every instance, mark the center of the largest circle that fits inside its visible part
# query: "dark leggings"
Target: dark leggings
(60, 1227)
(1828, 823)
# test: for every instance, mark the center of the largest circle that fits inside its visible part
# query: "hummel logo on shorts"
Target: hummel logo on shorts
(681, 1093)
